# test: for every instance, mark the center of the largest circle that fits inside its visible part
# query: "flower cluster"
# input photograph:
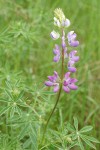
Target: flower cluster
(68, 83)
(61, 53)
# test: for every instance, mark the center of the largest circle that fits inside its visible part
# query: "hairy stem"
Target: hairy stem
(58, 97)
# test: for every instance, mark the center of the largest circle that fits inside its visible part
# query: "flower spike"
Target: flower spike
(62, 53)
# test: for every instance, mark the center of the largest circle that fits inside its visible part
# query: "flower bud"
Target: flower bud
(54, 35)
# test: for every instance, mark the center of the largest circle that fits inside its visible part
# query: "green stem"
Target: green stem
(58, 97)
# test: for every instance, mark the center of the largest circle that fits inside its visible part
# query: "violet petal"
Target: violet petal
(56, 88)
(66, 89)
(48, 83)
(74, 43)
(56, 58)
(67, 75)
(72, 86)
(72, 69)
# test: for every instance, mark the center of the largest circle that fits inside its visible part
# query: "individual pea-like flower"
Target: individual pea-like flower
(56, 52)
(72, 39)
(66, 22)
(71, 67)
(72, 56)
(72, 60)
(53, 81)
(54, 35)
(57, 22)
(69, 83)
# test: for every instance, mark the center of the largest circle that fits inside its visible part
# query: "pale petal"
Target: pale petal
(51, 78)
(67, 22)
(67, 75)
(56, 22)
(71, 63)
(56, 88)
(72, 86)
(49, 83)
(74, 43)
(55, 73)
(66, 89)
(73, 80)
(72, 69)
(54, 35)
(56, 58)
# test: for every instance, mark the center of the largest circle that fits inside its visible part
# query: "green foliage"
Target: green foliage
(25, 61)
(78, 135)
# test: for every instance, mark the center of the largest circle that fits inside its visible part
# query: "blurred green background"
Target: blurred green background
(26, 51)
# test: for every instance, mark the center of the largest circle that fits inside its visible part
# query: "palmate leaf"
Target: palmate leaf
(86, 129)
(87, 142)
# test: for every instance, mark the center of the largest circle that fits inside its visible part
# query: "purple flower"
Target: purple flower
(71, 68)
(69, 83)
(72, 39)
(54, 35)
(53, 81)
(72, 56)
(72, 60)
(56, 52)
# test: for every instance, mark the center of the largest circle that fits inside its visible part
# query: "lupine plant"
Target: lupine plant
(27, 97)
(64, 81)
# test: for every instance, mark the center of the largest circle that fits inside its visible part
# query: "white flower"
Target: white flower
(54, 35)
(57, 22)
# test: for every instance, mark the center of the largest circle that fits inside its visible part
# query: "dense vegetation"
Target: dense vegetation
(25, 62)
